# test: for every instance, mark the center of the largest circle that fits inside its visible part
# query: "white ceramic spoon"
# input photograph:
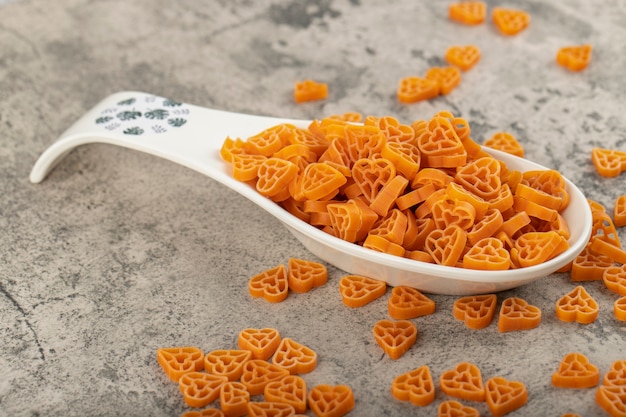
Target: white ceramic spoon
(192, 136)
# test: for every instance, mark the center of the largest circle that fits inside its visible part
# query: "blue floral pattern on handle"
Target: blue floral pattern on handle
(144, 113)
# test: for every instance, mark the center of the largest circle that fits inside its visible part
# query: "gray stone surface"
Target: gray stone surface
(118, 253)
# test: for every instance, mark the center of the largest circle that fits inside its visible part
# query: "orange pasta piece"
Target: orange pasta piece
(271, 284)
(381, 244)
(309, 90)
(433, 176)
(619, 309)
(575, 371)
(269, 141)
(257, 373)
(418, 255)
(614, 278)
(508, 243)
(357, 290)
(517, 314)
(304, 275)
(311, 206)
(177, 361)
(425, 227)
(609, 250)
(414, 197)
(504, 396)
(464, 57)
(488, 254)
(322, 218)
(464, 381)
(486, 227)
(395, 337)
(503, 200)
(510, 21)
(207, 412)
(448, 78)
(578, 306)
(476, 311)
(231, 147)
(290, 390)
(200, 388)
(270, 409)
(411, 239)
(321, 181)
(612, 399)
(392, 227)
(266, 142)
(405, 156)
(550, 182)
(534, 248)
(608, 162)
(316, 144)
(446, 246)
(447, 212)
(526, 192)
(511, 177)
(294, 357)
(319, 127)
(603, 228)
(368, 218)
(534, 209)
(261, 342)
(462, 129)
(559, 225)
(295, 151)
(595, 206)
(619, 211)
(468, 12)
(226, 362)
(246, 167)
(515, 223)
(331, 400)
(345, 219)
(296, 208)
(408, 303)
(351, 116)
(349, 143)
(413, 89)
(451, 408)
(425, 210)
(234, 399)
(616, 375)
(274, 176)
(611, 395)
(505, 142)
(393, 130)
(415, 386)
(372, 175)
(481, 177)
(386, 198)
(589, 266)
(457, 192)
(574, 58)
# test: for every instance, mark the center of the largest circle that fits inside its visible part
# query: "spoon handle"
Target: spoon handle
(183, 133)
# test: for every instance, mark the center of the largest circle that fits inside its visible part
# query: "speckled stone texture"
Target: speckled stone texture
(118, 253)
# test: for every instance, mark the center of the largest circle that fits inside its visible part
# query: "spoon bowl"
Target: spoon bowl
(192, 136)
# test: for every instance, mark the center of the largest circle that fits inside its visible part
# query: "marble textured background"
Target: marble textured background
(119, 253)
